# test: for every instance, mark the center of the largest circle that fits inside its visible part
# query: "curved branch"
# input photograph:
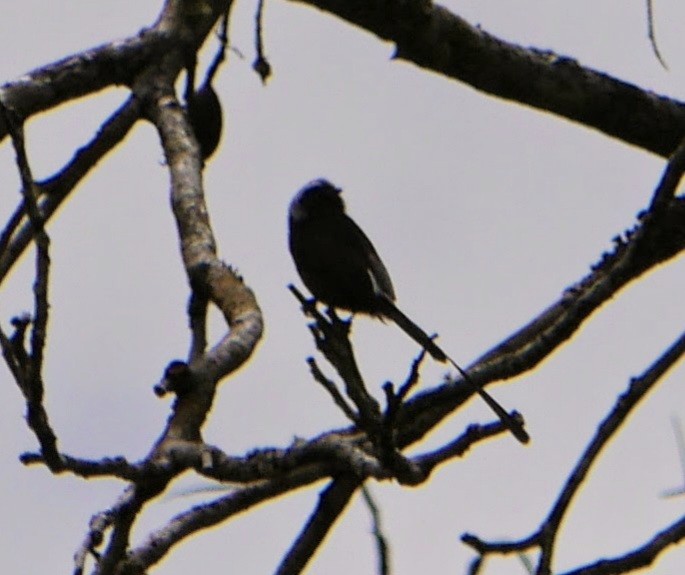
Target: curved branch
(217, 281)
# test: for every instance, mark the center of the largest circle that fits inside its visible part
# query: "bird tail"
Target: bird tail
(413, 331)
(424, 340)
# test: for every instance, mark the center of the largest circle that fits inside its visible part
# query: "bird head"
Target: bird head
(318, 198)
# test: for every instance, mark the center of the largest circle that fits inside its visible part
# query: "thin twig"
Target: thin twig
(670, 179)
(261, 64)
(108, 467)
(680, 446)
(220, 55)
(458, 447)
(11, 359)
(546, 534)
(652, 34)
(412, 378)
(382, 545)
(32, 384)
(58, 187)
(474, 566)
(12, 224)
(331, 335)
(331, 388)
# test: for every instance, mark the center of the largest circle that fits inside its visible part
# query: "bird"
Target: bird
(206, 118)
(342, 269)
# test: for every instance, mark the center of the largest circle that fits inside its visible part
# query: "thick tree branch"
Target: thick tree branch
(432, 37)
(83, 74)
(218, 282)
(659, 237)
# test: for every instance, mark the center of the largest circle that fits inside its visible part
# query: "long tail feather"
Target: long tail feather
(413, 331)
(424, 340)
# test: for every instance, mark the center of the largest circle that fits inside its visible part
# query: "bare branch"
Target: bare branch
(332, 503)
(220, 55)
(502, 547)
(202, 517)
(115, 63)
(331, 388)
(545, 536)
(382, 544)
(652, 34)
(208, 276)
(432, 37)
(88, 468)
(626, 402)
(31, 380)
(659, 237)
(54, 190)
(458, 447)
(640, 558)
(331, 335)
(670, 180)
(261, 64)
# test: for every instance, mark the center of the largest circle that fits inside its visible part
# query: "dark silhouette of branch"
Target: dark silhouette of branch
(106, 467)
(636, 391)
(332, 503)
(261, 64)
(640, 558)
(546, 535)
(331, 388)
(83, 74)
(30, 378)
(202, 517)
(652, 34)
(458, 447)
(434, 38)
(658, 237)
(148, 65)
(382, 544)
(53, 191)
(331, 335)
(670, 180)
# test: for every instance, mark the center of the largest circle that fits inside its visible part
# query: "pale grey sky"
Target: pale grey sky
(483, 211)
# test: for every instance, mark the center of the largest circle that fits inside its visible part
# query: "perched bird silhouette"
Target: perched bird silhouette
(339, 265)
(206, 118)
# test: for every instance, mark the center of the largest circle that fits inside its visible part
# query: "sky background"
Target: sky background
(483, 211)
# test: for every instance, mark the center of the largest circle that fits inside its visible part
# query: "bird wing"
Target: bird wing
(378, 274)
